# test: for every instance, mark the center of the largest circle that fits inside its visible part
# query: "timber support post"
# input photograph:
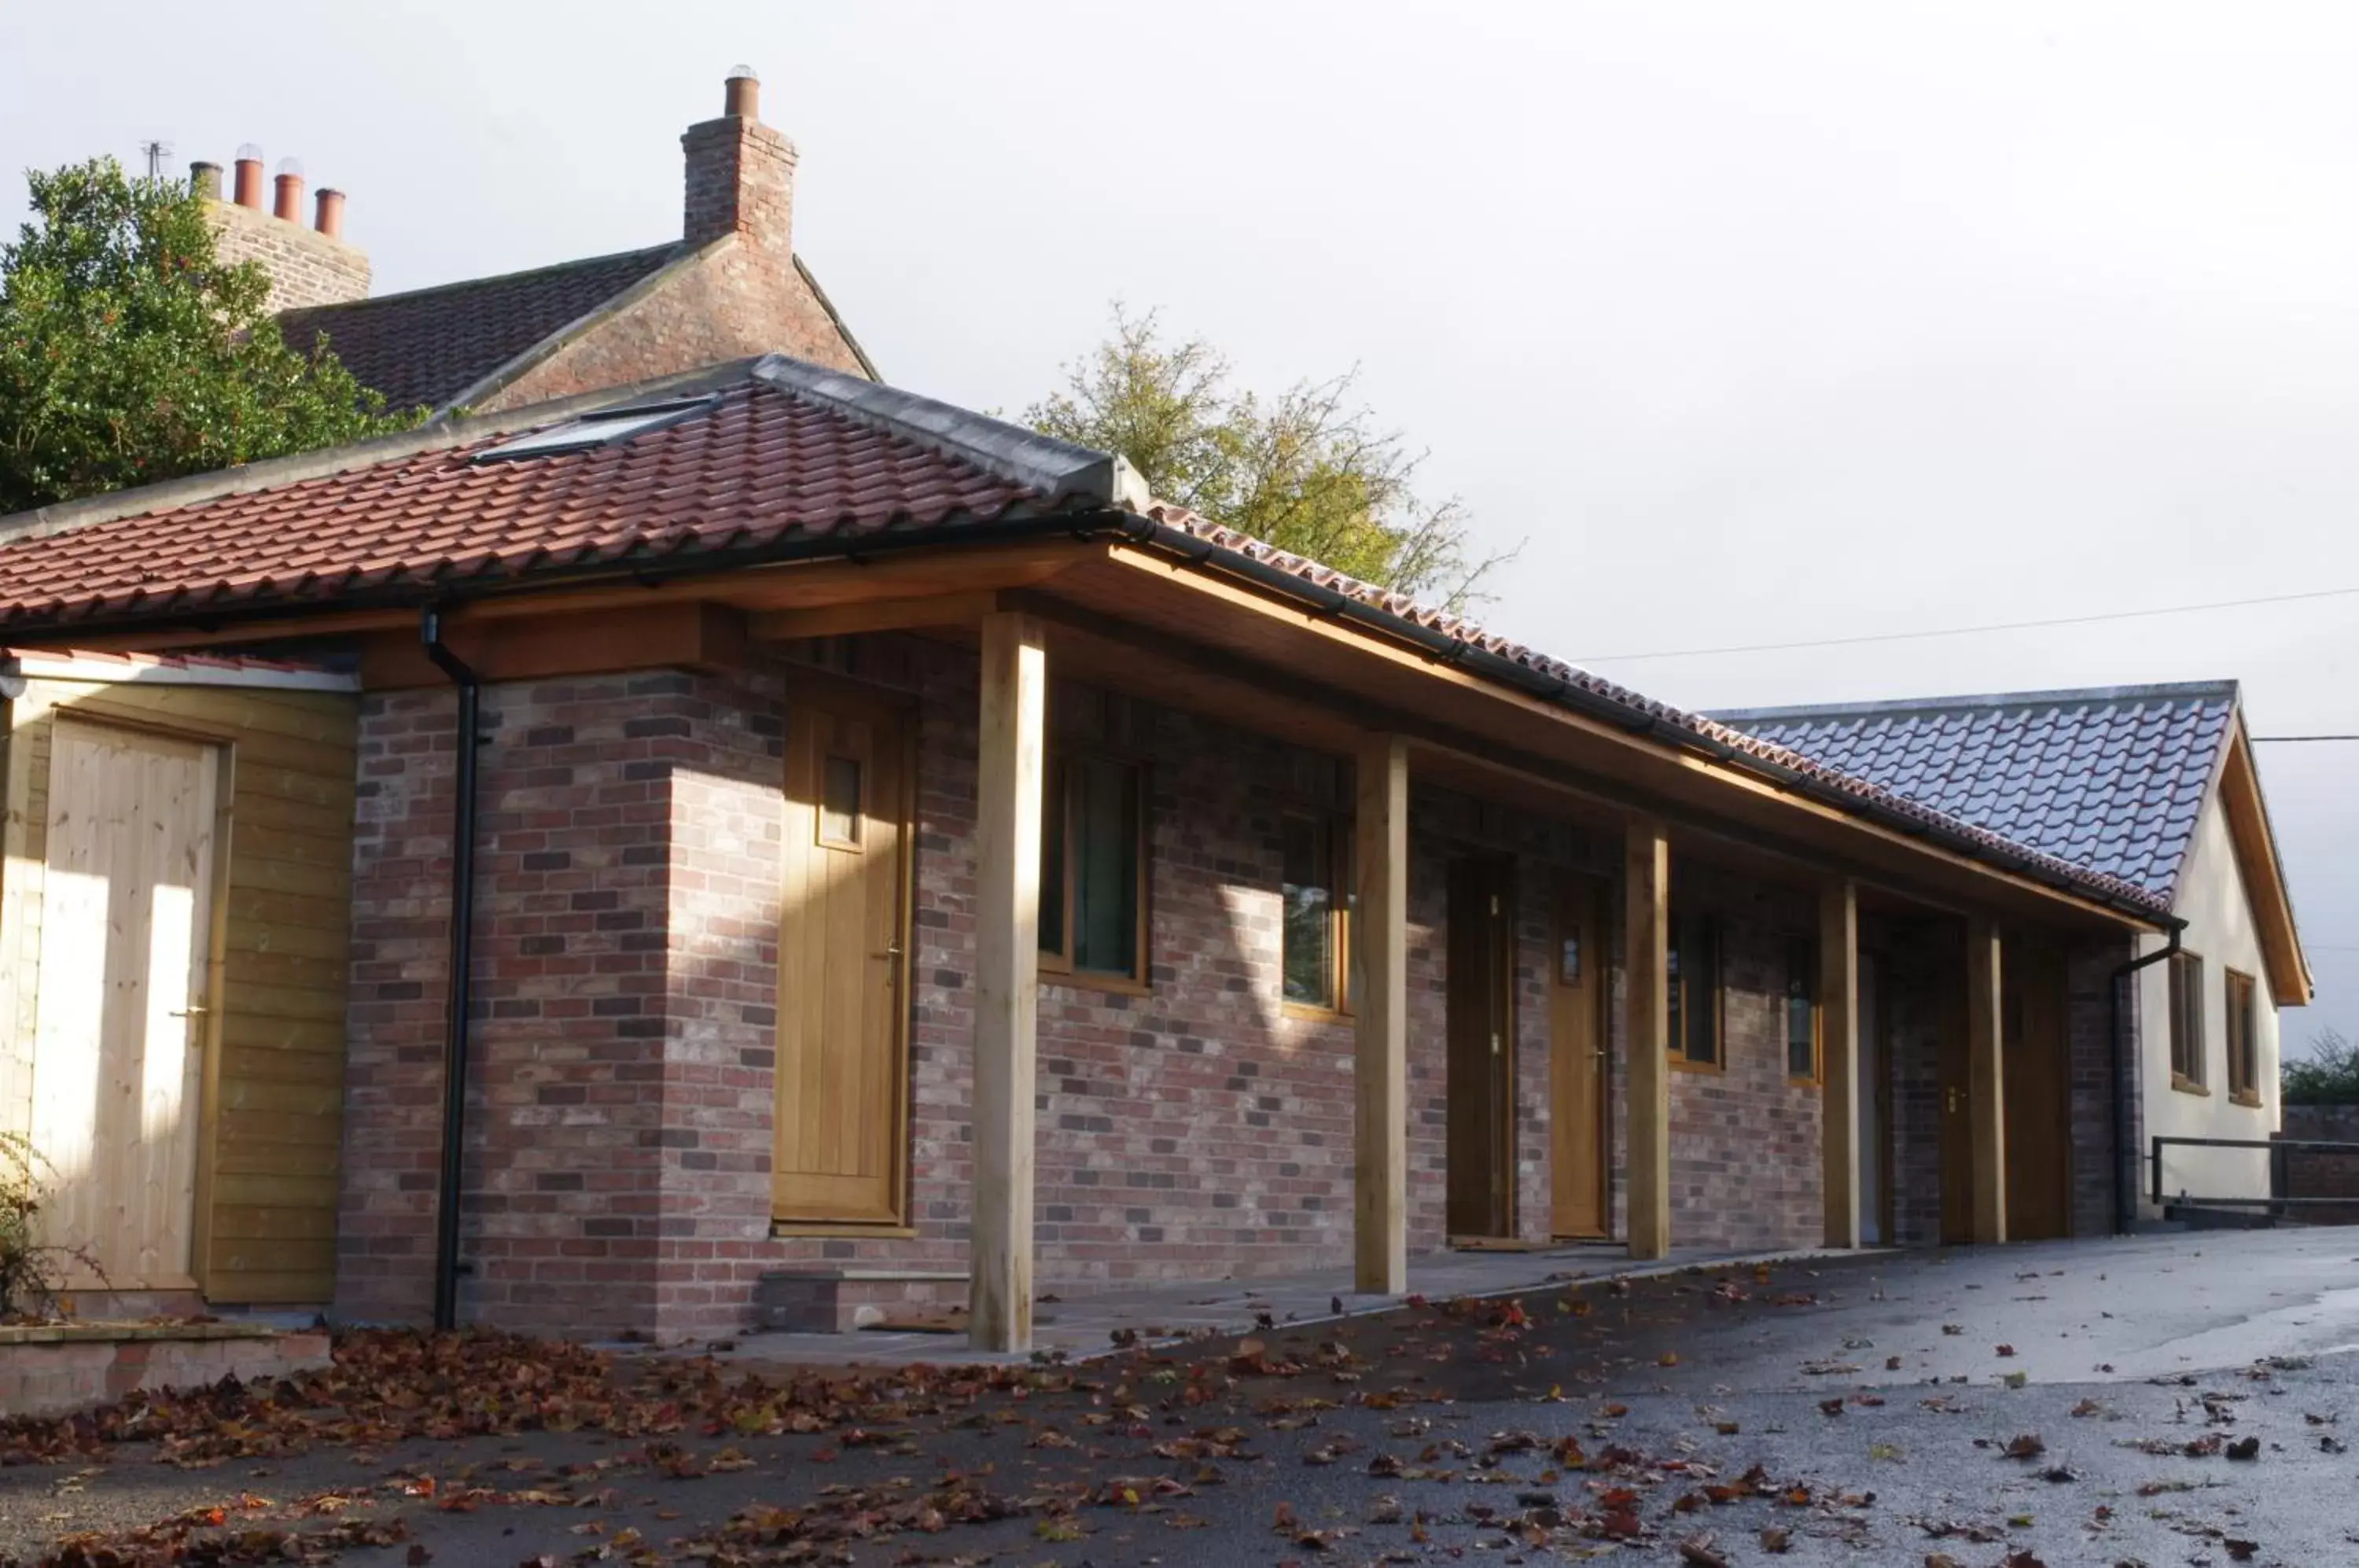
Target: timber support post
(1010, 779)
(1647, 886)
(1986, 1077)
(1380, 1061)
(1839, 1064)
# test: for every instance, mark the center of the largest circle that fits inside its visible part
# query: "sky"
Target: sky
(1748, 324)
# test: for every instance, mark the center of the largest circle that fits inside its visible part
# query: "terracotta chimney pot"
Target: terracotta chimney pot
(329, 209)
(289, 206)
(249, 177)
(742, 95)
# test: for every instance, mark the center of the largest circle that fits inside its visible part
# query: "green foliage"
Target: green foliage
(1307, 471)
(130, 352)
(28, 1266)
(2329, 1076)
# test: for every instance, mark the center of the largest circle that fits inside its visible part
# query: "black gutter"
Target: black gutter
(1457, 651)
(461, 968)
(2117, 987)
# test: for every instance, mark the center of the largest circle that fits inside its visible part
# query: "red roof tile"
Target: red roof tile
(762, 465)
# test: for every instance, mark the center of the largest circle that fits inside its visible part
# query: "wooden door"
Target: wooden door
(1481, 1093)
(2036, 1086)
(125, 983)
(841, 1151)
(1577, 1060)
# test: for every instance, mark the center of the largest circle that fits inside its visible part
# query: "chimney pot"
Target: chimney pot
(249, 177)
(742, 95)
(289, 206)
(329, 209)
(205, 180)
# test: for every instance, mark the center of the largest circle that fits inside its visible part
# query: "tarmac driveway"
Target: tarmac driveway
(2161, 1401)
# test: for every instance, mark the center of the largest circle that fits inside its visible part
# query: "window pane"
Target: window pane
(1308, 901)
(839, 800)
(1674, 989)
(1801, 1009)
(1105, 866)
(1702, 1011)
(1052, 862)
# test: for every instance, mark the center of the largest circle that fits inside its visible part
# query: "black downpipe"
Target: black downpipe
(2125, 1211)
(461, 970)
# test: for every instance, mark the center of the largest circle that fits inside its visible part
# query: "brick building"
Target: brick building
(730, 285)
(897, 854)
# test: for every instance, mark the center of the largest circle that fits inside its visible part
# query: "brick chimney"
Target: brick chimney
(741, 173)
(306, 265)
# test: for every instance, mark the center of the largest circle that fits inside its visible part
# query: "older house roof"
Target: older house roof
(423, 348)
(433, 348)
(755, 460)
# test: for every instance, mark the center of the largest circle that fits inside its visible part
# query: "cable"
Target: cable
(2289, 740)
(1969, 631)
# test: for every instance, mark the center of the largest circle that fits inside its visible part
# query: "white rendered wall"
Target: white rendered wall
(2219, 928)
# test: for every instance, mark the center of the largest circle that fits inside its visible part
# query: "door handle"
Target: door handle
(191, 1012)
(892, 951)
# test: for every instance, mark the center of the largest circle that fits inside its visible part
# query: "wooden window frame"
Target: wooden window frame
(1056, 965)
(2188, 1046)
(1681, 923)
(1804, 951)
(1343, 874)
(2244, 1059)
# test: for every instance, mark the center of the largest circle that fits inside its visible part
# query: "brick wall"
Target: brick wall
(306, 267)
(2089, 1044)
(618, 1164)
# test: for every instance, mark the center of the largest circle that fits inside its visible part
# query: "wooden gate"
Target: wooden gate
(128, 946)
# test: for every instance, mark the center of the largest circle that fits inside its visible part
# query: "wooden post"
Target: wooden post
(1380, 1066)
(1839, 1066)
(1011, 771)
(1986, 1079)
(1646, 889)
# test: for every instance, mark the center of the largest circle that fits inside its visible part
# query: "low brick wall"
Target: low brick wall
(2312, 1174)
(53, 1369)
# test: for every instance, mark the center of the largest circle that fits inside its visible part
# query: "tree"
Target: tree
(1309, 471)
(2331, 1076)
(130, 352)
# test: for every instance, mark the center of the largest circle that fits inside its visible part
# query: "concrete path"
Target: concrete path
(1079, 1322)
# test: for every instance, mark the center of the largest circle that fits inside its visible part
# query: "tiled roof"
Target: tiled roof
(1784, 754)
(2111, 778)
(762, 464)
(423, 348)
(786, 454)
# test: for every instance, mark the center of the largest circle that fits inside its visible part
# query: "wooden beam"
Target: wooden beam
(1380, 1065)
(872, 615)
(1985, 1078)
(1839, 1064)
(1010, 777)
(1646, 890)
(665, 634)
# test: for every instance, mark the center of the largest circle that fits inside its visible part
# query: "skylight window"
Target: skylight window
(607, 427)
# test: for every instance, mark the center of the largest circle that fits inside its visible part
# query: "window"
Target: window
(2244, 1065)
(1692, 979)
(1802, 1008)
(1315, 908)
(1093, 849)
(606, 427)
(2187, 1021)
(840, 799)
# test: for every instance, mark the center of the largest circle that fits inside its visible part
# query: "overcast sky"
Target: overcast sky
(1755, 323)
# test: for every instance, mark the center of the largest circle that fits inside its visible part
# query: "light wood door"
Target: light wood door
(842, 1072)
(127, 948)
(1481, 1141)
(1577, 1089)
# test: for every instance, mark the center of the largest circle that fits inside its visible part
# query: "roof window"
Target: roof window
(607, 427)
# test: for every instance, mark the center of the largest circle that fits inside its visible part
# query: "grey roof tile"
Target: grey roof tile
(2111, 780)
